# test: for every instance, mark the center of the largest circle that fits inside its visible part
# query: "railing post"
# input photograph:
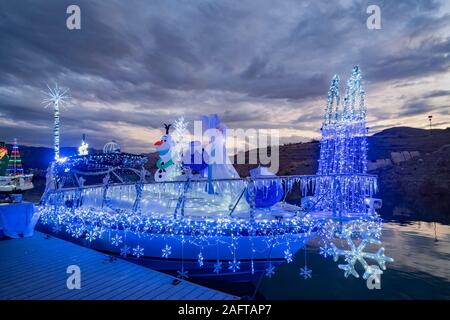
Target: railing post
(182, 199)
(137, 202)
(237, 201)
(251, 190)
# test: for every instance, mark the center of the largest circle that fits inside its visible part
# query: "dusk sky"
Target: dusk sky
(259, 64)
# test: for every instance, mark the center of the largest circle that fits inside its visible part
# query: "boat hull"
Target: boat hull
(253, 254)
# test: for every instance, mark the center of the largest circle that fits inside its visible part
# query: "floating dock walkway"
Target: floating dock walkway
(36, 268)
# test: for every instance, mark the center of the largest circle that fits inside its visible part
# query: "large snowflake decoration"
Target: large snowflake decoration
(91, 236)
(356, 253)
(166, 251)
(78, 232)
(56, 228)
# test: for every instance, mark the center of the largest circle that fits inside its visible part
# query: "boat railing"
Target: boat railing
(337, 193)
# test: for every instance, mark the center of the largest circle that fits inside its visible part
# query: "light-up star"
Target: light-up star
(270, 271)
(116, 240)
(56, 95)
(138, 251)
(124, 251)
(217, 267)
(305, 272)
(288, 256)
(234, 265)
(166, 251)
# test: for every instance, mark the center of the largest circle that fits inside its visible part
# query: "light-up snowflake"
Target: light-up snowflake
(166, 251)
(200, 259)
(83, 149)
(116, 240)
(138, 251)
(356, 253)
(234, 265)
(217, 267)
(124, 251)
(326, 251)
(270, 271)
(305, 272)
(55, 95)
(288, 255)
(183, 274)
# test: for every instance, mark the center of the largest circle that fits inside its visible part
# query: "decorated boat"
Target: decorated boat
(12, 177)
(199, 218)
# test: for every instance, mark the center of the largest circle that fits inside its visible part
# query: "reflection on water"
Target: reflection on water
(421, 269)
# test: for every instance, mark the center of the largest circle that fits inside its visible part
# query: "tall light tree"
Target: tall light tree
(56, 97)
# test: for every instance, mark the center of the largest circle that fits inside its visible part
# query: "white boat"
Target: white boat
(16, 184)
(179, 226)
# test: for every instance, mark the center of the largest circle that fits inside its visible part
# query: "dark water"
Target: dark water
(421, 269)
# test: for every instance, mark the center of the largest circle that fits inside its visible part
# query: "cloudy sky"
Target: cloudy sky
(259, 64)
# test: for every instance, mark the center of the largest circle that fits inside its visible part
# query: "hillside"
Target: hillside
(418, 187)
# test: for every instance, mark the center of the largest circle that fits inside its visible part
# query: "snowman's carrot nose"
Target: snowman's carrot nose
(158, 143)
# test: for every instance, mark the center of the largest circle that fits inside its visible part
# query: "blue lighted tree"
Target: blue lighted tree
(343, 147)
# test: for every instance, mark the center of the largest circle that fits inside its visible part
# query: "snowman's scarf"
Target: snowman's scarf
(165, 165)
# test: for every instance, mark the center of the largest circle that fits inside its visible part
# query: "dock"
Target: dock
(35, 268)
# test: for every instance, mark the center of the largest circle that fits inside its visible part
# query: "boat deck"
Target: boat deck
(36, 268)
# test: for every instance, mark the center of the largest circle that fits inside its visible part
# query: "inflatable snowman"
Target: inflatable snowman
(165, 166)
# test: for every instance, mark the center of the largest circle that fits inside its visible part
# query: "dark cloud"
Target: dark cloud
(412, 108)
(137, 64)
(437, 93)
